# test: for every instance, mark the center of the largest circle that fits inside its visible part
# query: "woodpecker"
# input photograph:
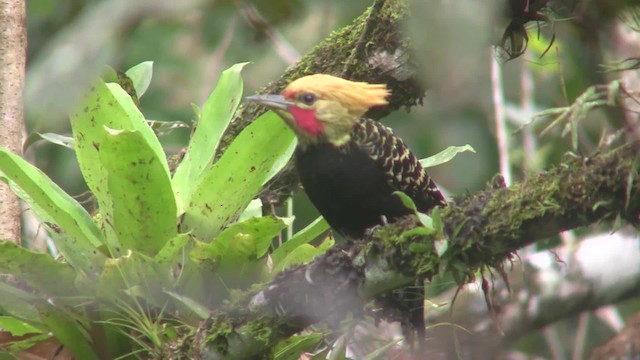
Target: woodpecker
(350, 166)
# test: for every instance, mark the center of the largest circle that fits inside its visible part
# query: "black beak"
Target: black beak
(271, 101)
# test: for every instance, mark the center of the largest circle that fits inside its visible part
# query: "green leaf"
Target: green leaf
(165, 127)
(74, 232)
(204, 255)
(248, 239)
(237, 248)
(39, 270)
(436, 219)
(200, 310)
(143, 209)
(406, 200)
(417, 231)
(173, 249)
(68, 331)
(15, 347)
(216, 114)
(235, 179)
(18, 303)
(304, 236)
(441, 246)
(17, 327)
(57, 139)
(426, 221)
(109, 106)
(445, 155)
(302, 255)
(292, 347)
(141, 75)
(254, 209)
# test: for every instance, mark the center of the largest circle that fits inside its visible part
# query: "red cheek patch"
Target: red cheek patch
(306, 120)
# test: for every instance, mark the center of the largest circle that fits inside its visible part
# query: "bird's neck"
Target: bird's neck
(337, 128)
(334, 138)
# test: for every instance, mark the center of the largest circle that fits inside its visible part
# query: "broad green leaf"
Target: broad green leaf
(68, 331)
(141, 75)
(18, 303)
(74, 232)
(17, 327)
(235, 179)
(143, 209)
(15, 347)
(173, 249)
(108, 106)
(204, 255)
(239, 245)
(254, 209)
(292, 347)
(302, 255)
(216, 114)
(38, 270)
(445, 155)
(248, 239)
(283, 160)
(304, 236)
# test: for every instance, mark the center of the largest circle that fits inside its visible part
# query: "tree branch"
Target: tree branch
(548, 287)
(483, 229)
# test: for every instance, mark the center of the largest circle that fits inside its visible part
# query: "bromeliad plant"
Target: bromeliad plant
(162, 250)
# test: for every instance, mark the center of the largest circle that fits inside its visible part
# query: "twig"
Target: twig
(501, 124)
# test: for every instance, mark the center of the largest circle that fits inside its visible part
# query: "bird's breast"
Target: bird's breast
(347, 187)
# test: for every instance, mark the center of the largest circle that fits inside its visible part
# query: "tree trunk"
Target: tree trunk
(13, 53)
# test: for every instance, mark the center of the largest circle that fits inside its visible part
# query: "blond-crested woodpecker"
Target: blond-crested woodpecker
(349, 165)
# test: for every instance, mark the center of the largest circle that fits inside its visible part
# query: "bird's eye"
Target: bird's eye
(308, 98)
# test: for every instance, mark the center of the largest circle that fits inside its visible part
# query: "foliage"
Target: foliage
(160, 250)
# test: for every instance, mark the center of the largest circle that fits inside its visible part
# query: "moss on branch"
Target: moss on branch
(483, 228)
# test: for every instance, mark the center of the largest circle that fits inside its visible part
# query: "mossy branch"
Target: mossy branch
(483, 229)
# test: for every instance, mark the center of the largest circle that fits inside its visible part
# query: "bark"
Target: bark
(482, 229)
(13, 47)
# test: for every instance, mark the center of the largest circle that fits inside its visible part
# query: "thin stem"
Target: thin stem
(581, 336)
(499, 115)
(527, 105)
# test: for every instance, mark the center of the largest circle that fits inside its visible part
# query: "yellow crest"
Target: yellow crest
(358, 97)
